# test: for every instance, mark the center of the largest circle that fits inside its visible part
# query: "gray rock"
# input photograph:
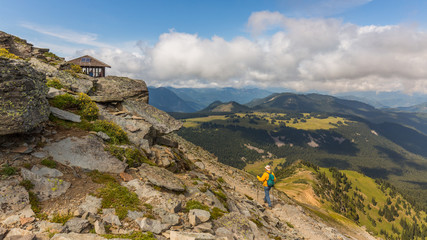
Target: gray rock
(109, 216)
(11, 220)
(45, 188)
(147, 224)
(113, 89)
(53, 92)
(204, 227)
(161, 177)
(99, 228)
(13, 198)
(197, 216)
(215, 201)
(223, 232)
(166, 142)
(175, 235)
(167, 217)
(39, 154)
(240, 226)
(46, 226)
(76, 236)
(77, 225)
(135, 214)
(83, 83)
(103, 136)
(141, 189)
(47, 172)
(143, 128)
(87, 152)
(21, 234)
(91, 204)
(20, 48)
(200, 164)
(3, 232)
(65, 115)
(161, 121)
(23, 91)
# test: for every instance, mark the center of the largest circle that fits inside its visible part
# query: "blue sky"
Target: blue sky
(305, 45)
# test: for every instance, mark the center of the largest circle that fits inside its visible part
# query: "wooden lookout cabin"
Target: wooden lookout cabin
(91, 66)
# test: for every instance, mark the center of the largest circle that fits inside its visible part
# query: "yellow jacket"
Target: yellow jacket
(264, 178)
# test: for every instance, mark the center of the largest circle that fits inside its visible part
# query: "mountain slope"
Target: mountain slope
(168, 101)
(231, 107)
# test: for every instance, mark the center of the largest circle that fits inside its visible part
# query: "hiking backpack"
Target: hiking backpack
(270, 181)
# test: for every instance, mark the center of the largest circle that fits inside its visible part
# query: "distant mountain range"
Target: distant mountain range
(171, 99)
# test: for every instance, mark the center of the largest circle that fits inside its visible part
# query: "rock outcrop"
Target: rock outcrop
(23, 91)
(112, 88)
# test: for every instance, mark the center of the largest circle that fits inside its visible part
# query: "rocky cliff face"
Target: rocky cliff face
(23, 90)
(68, 182)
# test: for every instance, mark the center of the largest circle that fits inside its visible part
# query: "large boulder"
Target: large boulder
(75, 82)
(162, 122)
(23, 90)
(112, 89)
(161, 177)
(87, 152)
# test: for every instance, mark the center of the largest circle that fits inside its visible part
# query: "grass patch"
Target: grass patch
(289, 224)
(7, 170)
(114, 131)
(88, 109)
(133, 236)
(120, 198)
(55, 83)
(101, 178)
(216, 213)
(220, 180)
(194, 204)
(65, 101)
(34, 202)
(195, 122)
(27, 184)
(58, 218)
(48, 163)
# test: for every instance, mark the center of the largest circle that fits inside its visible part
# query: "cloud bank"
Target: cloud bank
(298, 53)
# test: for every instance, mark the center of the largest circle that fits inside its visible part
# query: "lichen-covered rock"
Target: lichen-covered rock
(161, 177)
(17, 233)
(162, 122)
(75, 82)
(23, 103)
(112, 88)
(13, 198)
(45, 188)
(15, 45)
(240, 226)
(87, 152)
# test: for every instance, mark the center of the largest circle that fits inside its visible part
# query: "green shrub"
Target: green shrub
(132, 156)
(48, 163)
(65, 101)
(55, 83)
(221, 180)
(27, 184)
(6, 54)
(88, 108)
(76, 68)
(117, 135)
(58, 218)
(120, 198)
(7, 170)
(257, 222)
(194, 204)
(34, 202)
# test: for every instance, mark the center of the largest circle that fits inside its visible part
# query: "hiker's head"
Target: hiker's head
(268, 168)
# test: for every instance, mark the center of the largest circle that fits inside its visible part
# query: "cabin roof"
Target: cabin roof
(88, 61)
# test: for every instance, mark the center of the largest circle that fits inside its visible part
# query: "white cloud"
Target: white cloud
(301, 54)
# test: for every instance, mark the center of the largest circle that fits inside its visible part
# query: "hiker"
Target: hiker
(268, 179)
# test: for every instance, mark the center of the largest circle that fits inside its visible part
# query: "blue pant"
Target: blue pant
(267, 195)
